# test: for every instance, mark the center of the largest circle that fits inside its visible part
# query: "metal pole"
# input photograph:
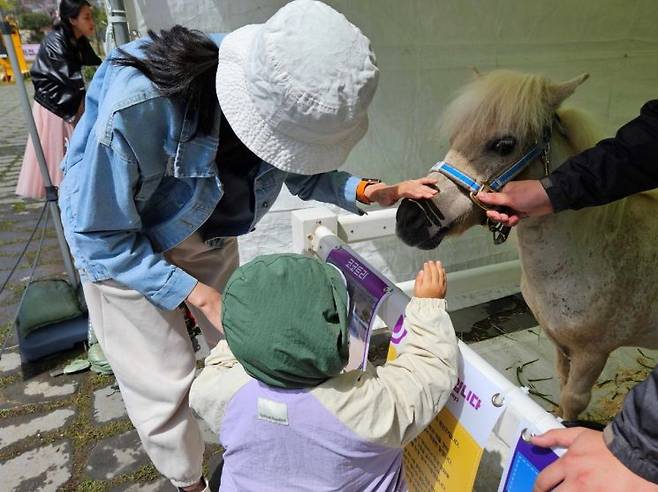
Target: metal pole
(119, 22)
(51, 191)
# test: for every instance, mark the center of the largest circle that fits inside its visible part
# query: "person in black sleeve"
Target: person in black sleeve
(625, 456)
(59, 92)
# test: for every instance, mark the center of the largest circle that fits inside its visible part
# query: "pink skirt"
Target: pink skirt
(54, 134)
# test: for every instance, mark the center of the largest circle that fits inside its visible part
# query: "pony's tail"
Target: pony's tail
(182, 63)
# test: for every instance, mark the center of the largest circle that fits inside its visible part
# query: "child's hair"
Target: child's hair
(70, 9)
(182, 63)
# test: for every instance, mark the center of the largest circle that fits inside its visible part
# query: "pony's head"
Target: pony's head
(495, 121)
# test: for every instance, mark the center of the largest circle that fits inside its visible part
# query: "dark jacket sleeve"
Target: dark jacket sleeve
(57, 73)
(612, 169)
(87, 54)
(633, 435)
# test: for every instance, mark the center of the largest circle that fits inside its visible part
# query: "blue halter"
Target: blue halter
(495, 184)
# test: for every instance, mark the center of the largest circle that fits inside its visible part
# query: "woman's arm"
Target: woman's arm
(612, 169)
(340, 188)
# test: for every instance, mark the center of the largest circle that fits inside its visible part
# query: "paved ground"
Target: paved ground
(71, 432)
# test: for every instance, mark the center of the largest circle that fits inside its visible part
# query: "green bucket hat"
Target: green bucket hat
(285, 320)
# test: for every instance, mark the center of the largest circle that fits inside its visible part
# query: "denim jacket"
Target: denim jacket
(139, 179)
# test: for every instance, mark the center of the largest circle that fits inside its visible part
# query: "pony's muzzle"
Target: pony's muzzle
(418, 224)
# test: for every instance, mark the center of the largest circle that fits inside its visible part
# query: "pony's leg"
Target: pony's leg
(562, 365)
(584, 369)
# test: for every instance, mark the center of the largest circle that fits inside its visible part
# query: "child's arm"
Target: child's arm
(216, 384)
(422, 376)
(392, 404)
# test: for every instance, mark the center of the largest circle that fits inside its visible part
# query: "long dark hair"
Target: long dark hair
(70, 9)
(182, 64)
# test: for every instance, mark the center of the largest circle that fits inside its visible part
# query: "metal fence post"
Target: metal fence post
(119, 22)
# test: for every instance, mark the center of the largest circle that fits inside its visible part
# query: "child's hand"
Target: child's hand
(431, 281)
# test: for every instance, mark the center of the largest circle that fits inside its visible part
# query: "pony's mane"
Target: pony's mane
(581, 129)
(509, 101)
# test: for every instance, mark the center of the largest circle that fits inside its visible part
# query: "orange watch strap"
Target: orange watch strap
(360, 189)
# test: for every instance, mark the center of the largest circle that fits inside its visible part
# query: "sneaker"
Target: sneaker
(206, 489)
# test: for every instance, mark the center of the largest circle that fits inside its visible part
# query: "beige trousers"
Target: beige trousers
(153, 360)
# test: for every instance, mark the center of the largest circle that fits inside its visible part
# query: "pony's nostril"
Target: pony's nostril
(423, 208)
(411, 224)
(415, 227)
(410, 216)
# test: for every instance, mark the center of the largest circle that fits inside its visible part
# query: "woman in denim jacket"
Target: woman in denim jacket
(160, 179)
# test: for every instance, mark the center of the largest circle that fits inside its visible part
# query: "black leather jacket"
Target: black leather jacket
(56, 72)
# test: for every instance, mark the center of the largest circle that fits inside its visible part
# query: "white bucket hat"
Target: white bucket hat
(296, 89)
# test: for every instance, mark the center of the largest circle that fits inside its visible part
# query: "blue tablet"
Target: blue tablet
(527, 462)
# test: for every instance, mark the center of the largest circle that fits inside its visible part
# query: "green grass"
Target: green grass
(18, 207)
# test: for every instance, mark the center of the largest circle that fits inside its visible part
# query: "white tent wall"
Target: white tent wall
(425, 50)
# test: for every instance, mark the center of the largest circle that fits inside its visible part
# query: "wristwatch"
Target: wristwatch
(361, 188)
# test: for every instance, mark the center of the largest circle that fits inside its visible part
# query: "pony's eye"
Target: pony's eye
(503, 146)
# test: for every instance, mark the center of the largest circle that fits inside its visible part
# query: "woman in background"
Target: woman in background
(59, 92)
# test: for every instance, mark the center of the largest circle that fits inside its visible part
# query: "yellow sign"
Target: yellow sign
(446, 455)
(443, 458)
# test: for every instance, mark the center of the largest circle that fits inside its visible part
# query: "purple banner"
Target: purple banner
(366, 292)
(353, 268)
(399, 332)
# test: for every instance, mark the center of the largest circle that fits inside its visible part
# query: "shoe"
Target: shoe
(206, 489)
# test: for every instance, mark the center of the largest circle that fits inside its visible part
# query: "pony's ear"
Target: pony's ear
(476, 73)
(557, 93)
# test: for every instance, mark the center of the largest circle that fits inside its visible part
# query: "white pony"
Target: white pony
(590, 277)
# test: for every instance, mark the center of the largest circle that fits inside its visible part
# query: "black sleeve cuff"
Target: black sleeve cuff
(556, 195)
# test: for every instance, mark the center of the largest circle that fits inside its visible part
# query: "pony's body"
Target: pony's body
(589, 276)
(590, 279)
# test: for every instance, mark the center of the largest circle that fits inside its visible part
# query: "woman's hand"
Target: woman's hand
(209, 301)
(387, 195)
(431, 281)
(587, 466)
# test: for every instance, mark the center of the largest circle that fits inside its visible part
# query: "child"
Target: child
(286, 415)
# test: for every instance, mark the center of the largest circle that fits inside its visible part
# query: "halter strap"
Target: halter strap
(454, 174)
(507, 176)
(465, 181)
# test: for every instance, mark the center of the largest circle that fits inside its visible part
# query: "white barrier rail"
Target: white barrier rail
(467, 287)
